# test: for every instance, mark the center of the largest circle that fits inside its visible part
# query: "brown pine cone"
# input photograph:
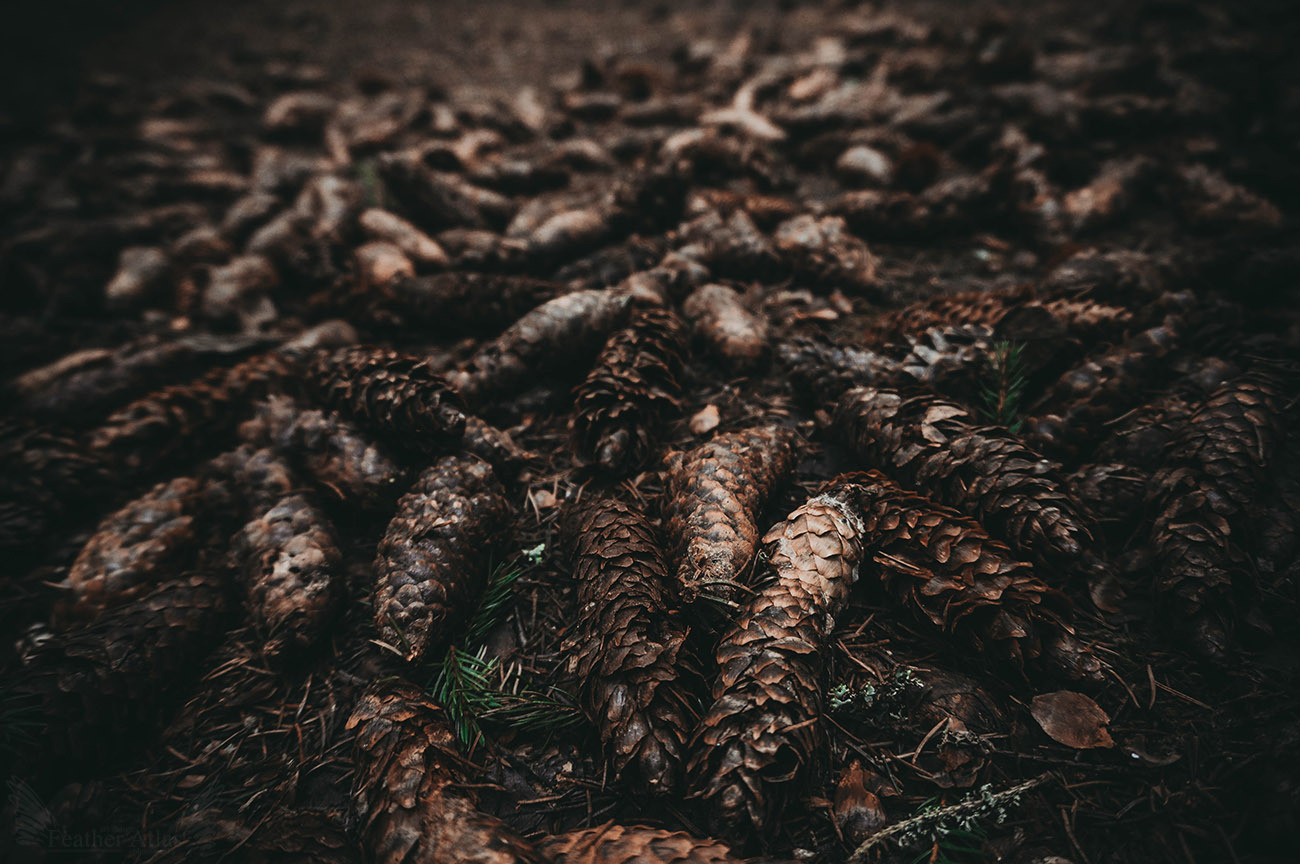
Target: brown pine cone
(180, 421)
(1204, 498)
(44, 477)
(1112, 492)
(437, 199)
(133, 550)
(291, 570)
(822, 253)
(433, 558)
(617, 844)
(566, 330)
(983, 471)
(720, 320)
(946, 567)
(634, 385)
(409, 792)
(713, 497)
(762, 731)
(1074, 410)
(397, 395)
(98, 685)
(973, 309)
(495, 447)
(460, 302)
(826, 369)
(624, 651)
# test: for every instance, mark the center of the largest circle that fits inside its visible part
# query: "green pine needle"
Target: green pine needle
(1004, 387)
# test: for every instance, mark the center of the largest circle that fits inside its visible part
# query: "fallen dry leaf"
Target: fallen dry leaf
(705, 420)
(1072, 719)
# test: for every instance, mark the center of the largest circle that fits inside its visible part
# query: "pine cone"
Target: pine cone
(1112, 492)
(1204, 500)
(98, 685)
(291, 569)
(620, 407)
(133, 550)
(568, 329)
(616, 844)
(495, 447)
(408, 793)
(182, 420)
(945, 566)
(625, 648)
(437, 199)
(44, 477)
(713, 497)
(822, 252)
(983, 471)
(1074, 410)
(259, 474)
(460, 302)
(720, 320)
(762, 731)
(433, 558)
(395, 394)
(827, 369)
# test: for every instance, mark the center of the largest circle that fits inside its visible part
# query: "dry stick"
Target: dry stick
(922, 820)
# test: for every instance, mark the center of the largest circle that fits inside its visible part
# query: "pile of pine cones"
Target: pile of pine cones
(761, 352)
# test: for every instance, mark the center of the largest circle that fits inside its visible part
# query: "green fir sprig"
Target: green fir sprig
(1004, 387)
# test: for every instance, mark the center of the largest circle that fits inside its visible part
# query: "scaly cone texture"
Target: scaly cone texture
(1009, 314)
(475, 301)
(43, 477)
(1112, 491)
(946, 567)
(983, 471)
(408, 794)
(495, 447)
(826, 369)
(713, 496)
(634, 385)
(397, 395)
(762, 732)
(634, 844)
(133, 550)
(291, 571)
(1204, 499)
(97, 685)
(331, 451)
(433, 558)
(179, 421)
(1075, 408)
(624, 651)
(567, 329)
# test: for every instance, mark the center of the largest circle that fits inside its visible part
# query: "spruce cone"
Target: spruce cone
(1102, 388)
(181, 420)
(97, 685)
(633, 386)
(433, 557)
(721, 321)
(625, 648)
(495, 447)
(1011, 314)
(44, 477)
(477, 302)
(827, 369)
(568, 329)
(133, 550)
(1111, 491)
(946, 567)
(398, 395)
(616, 844)
(713, 497)
(291, 569)
(407, 791)
(1204, 499)
(762, 731)
(983, 471)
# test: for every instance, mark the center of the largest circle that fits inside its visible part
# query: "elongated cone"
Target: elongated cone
(823, 253)
(292, 573)
(409, 792)
(568, 329)
(634, 385)
(1074, 410)
(495, 447)
(456, 302)
(133, 550)
(397, 395)
(1204, 498)
(983, 471)
(1015, 313)
(44, 476)
(1112, 492)
(633, 844)
(947, 568)
(433, 558)
(723, 323)
(713, 497)
(762, 732)
(977, 308)
(337, 456)
(826, 369)
(98, 685)
(183, 419)
(626, 645)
